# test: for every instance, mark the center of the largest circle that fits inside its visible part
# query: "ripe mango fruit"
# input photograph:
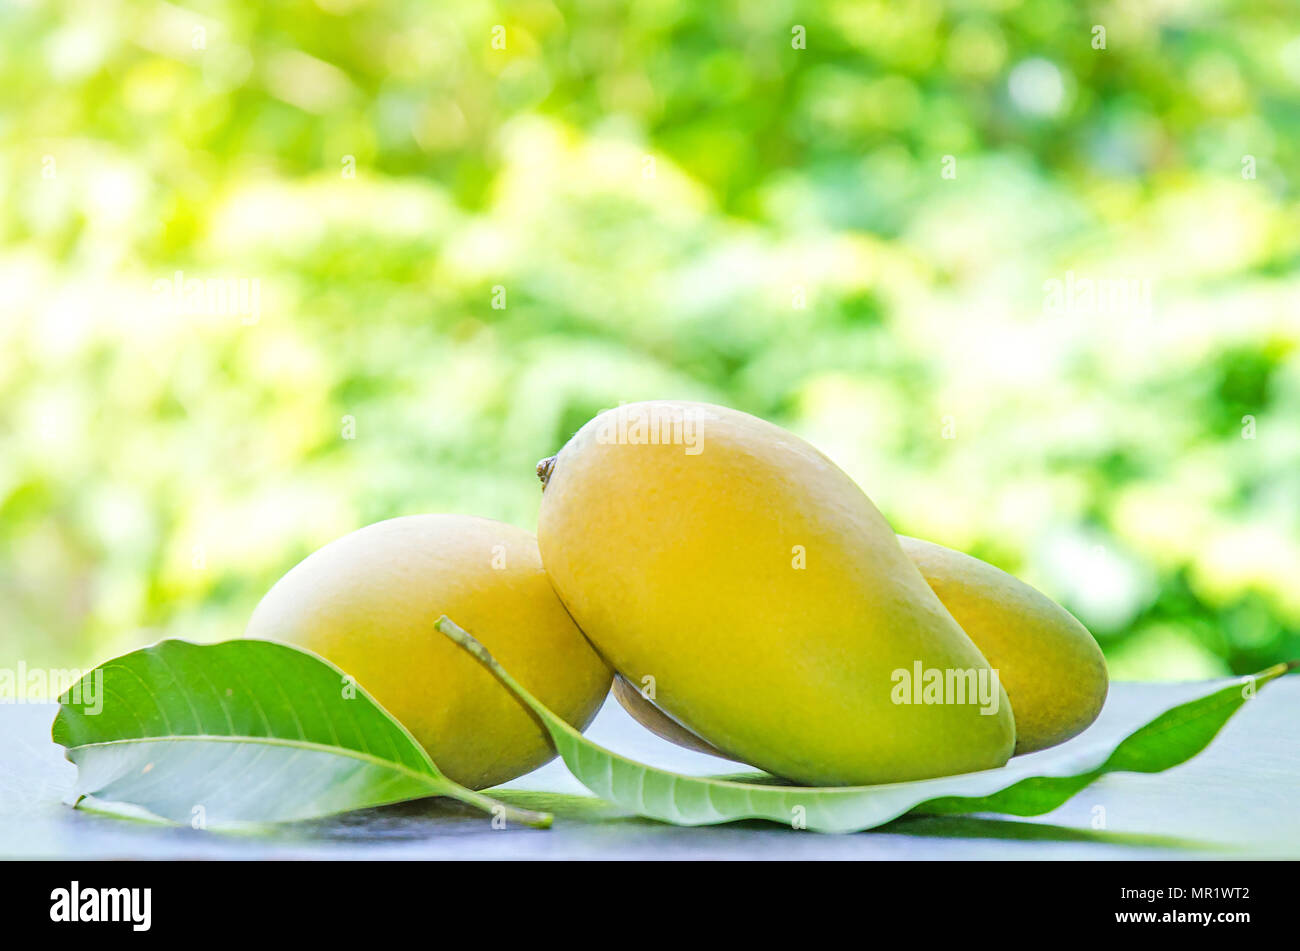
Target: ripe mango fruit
(368, 601)
(766, 596)
(1052, 668)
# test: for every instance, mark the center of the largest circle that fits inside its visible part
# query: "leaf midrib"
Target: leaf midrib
(433, 779)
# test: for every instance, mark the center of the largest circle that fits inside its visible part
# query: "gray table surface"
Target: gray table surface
(1239, 798)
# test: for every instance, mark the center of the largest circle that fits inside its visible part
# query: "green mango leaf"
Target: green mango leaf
(1019, 788)
(241, 733)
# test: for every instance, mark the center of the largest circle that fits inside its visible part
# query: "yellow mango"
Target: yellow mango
(1053, 671)
(1050, 666)
(368, 601)
(766, 597)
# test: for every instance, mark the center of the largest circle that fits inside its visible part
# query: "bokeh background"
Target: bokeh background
(462, 252)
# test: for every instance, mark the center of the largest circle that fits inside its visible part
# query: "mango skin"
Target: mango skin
(368, 602)
(658, 722)
(681, 566)
(1052, 668)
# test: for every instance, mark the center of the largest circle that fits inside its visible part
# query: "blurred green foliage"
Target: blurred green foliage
(857, 239)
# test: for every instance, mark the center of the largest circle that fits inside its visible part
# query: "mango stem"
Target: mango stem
(544, 470)
(526, 817)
